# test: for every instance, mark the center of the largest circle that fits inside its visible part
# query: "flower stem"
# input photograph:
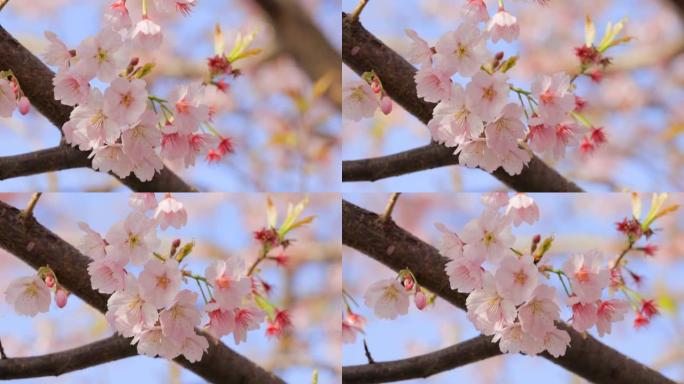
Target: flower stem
(262, 257)
(629, 247)
(202, 291)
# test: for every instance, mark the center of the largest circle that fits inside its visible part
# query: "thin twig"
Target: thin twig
(359, 8)
(28, 212)
(2, 351)
(623, 253)
(368, 354)
(390, 207)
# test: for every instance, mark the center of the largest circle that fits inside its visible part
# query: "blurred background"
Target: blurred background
(579, 222)
(638, 101)
(221, 225)
(285, 138)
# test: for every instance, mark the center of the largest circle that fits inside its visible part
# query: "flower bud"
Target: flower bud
(386, 105)
(420, 300)
(24, 105)
(61, 297)
(50, 281)
(176, 243)
(408, 282)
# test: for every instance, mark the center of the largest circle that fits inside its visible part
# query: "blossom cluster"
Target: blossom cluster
(487, 120)
(509, 292)
(153, 307)
(128, 129)
(363, 97)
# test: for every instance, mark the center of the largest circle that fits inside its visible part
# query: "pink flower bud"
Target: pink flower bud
(50, 281)
(24, 105)
(408, 283)
(420, 300)
(61, 297)
(375, 86)
(386, 105)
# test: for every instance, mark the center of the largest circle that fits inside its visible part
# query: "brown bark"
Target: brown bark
(55, 364)
(395, 247)
(300, 37)
(469, 351)
(38, 246)
(35, 79)
(363, 52)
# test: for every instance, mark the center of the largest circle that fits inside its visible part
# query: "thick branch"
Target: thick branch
(301, 38)
(35, 79)
(55, 364)
(45, 160)
(363, 52)
(466, 352)
(397, 248)
(38, 246)
(435, 155)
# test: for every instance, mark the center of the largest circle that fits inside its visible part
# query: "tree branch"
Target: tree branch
(534, 178)
(363, 52)
(35, 79)
(466, 352)
(55, 364)
(398, 249)
(38, 246)
(44, 160)
(301, 38)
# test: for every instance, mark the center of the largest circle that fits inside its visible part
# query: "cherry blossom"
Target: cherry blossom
(419, 51)
(128, 312)
(28, 295)
(462, 51)
(555, 98)
(465, 275)
(101, 55)
(608, 312)
(152, 342)
(453, 122)
(358, 101)
(504, 131)
(487, 237)
(133, 239)
(111, 158)
(189, 111)
(93, 123)
(56, 53)
(71, 87)
(494, 200)
(147, 34)
(433, 83)
(538, 314)
(125, 101)
(221, 320)
(556, 342)
(7, 99)
(247, 318)
(587, 276)
(521, 208)
(179, 320)
(143, 201)
(584, 315)
(229, 280)
(476, 154)
(170, 212)
(475, 11)
(568, 133)
(107, 274)
(193, 347)
(349, 331)
(159, 282)
(516, 278)
(388, 299)
(91, 243)
(61, 297)
(450, 244)
(487, 94)
(512, 339)
(514, 160)
(504, 26)
(488, 309)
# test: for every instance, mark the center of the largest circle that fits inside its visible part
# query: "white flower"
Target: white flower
(387, 298)
(503, 25)
(488, 309)
(28, 295)
(133, 239)
(488, 237)
(521, 208)
(170, 212)
(538, 314)
(463, 50)
(516, 278)
(358, 101)
(586, 275)
(159, 282)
